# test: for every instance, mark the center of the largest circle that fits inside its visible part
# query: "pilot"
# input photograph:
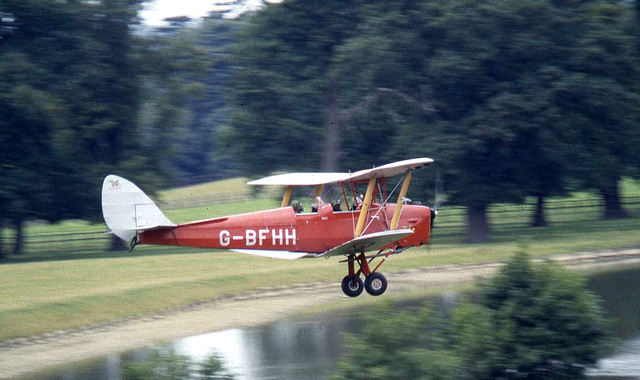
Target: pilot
(337, 205)
(316, 204)
(297, 206)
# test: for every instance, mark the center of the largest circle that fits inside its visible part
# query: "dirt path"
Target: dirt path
(20, 356)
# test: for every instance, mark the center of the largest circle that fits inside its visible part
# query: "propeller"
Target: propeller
(440, 197)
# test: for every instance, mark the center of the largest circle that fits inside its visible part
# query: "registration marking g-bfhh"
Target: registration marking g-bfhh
(277, 236)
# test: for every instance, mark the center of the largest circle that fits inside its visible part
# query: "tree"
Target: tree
(600, 103)
(532, 322)
(483, 73)
(508, 96)
(197, 150)
(69, 100)
(172, 68)
(381, 87)
(285, 109)
(398, 344)
(545, 324)
(32, 122)
(496, 74)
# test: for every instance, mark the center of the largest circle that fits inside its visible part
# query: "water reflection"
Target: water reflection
(284, 350)
(624, 363)
(310, 348)
(620, 294)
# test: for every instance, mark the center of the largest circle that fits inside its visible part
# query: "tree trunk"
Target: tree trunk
(539, 219)
(332, 125)
(18, 241)
(477, 225)
(3, 255)
(612, 206)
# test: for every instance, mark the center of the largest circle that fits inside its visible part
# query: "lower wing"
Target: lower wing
(369, 242)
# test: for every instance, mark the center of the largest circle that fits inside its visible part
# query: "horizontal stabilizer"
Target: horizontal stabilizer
(369, 242)
(287, 255)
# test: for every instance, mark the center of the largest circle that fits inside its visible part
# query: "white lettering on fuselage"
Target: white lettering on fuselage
(250, 237)
(290, 237)
(224, 238)
(279, 236)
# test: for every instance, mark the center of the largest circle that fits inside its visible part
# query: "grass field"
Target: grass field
(44, 292)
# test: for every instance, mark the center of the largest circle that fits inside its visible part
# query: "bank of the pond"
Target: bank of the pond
(21, 356)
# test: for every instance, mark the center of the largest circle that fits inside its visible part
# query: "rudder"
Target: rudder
(127, 209)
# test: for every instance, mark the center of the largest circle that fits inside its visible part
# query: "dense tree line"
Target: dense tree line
(68, 102)
(74, 80)
(512, 98)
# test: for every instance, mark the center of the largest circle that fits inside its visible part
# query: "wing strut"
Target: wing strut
(365, 206)
(403, 193)
(287, 196)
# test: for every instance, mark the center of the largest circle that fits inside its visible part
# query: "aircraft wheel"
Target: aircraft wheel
(376, 284)
(350, 288)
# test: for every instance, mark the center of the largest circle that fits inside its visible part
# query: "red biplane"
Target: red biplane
(350, 226)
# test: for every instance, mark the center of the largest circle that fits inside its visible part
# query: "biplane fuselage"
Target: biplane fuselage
(368, 223)
(283, 229)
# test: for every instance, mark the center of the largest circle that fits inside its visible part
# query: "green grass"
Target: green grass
(218, 188)
(44, 290)
(218, 210)
(220, 192)
(42, 296)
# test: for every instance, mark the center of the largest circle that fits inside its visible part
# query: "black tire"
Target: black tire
(351, 288)
(376, 284)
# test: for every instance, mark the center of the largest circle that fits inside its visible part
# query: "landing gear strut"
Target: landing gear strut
(375, 283)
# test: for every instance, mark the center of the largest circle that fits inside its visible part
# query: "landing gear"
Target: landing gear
(351, 287)
(375, 283)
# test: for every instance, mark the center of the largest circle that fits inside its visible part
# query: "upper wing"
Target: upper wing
(389, 170)
(368, 242)
(314, 179)
(300, 179)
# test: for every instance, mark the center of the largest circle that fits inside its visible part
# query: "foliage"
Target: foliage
(545, 324)
(498, 72)
(532, 322)
(512, 98)
(281, 92)
(68, 100)
(165, 364)
(73, 75)
(183, 76)
(397, 345)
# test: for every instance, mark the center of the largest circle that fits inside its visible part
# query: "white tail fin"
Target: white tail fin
(127, 209)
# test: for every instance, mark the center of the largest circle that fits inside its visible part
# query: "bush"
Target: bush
(531, 322)
(166, 364)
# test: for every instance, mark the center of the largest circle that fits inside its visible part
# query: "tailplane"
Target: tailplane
(127, 209)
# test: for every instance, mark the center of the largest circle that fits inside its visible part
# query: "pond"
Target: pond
(310, 347)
